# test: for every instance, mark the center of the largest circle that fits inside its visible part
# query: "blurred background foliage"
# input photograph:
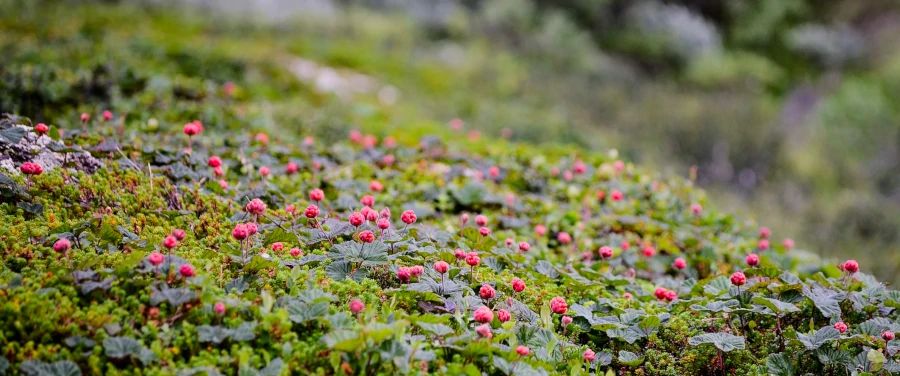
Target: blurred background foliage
(788, 109)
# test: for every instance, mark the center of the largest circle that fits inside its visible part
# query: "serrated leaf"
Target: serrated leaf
(826, 300)
(629, 358)
(723, 341)
(780, 365)
(59, 368)
(820, 337)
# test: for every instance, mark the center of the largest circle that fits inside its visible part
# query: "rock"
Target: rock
(45, 151)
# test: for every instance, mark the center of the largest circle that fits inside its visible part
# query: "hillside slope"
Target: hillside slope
(223, 218)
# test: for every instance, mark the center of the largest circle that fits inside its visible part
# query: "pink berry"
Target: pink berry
(671, 295)
(509, 242)
(376, 186)
(29, 168)
(296, 252)
(472, 259)
(219, 308)
(179, 234)
(316, 195)
(851, 266)
(223, 184)
(752, 259)
(417, 270)
(291, 168)
(408, 217)
(85, 117)
(459, 254)
(156, 258)
(262, 138)
(62, 245)
(311, 211)
(696, 209)
(679, 264)
(887, 335)
(589, 356)
(764, 232)
(558, 305)
(356, 306)
(441, 267)
(464, 218)
(170, 242)
(487, 292)
(841, 326)
(762, 244)
(385, 213)
(566, 320)
(564, 238)
(484, 330)
(483, 314)
(616, 195)
(367, 200)
(660, 293)
(738, 279)
(579, 167)
(218, 171)
(370, 214)
(187, 271)
(383, 223)
(481, 220)
(540, 230)
(357, 219)
(191, 129)
(503, 315)
(264, 171)
(523, 350)
(367, 236)
(251, 228)
(484, 231)
(606, 252)
(494, 172)
(41, 129)
(277, 247)
(255, 207)
(240, 232)
(107, 115)
(404, 274)
(518, 285)
(524, 246)
(788, 243)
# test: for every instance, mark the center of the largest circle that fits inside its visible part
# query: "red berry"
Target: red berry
(376, 186)
(62, 245)
(219, 308)
(316, 195)
(558, 305)
(518, 285)
(312, 211)
(240, 232)
(187, 271)
(179, 234)
(483, 315)
(679, 264)
(296, 252)
(85, 117)
(191, 129)
(41, 128)
(762, 244)
(841, 326)
(404, 274)
(487, 292)
(738, 279)
(648, 251)
(522, 350)
(170, 242)
(367, 200)
(606, 252)
(441, 267)
(459, 254)
(887, 335)
(356, 306)
(851, 266)
(484, 231)
(408, 217)
(764, 232)
(524, 246)
(472, 259)
(255, 207)
(484, 330)
(503, 315)
(357, 219)
(383, 223)
(107, 115)
(788, 243)
(589, 356)
(540, 230)
(292, 168)
(481, 220)
(277, 247)
(367, 236)
(564, 238)
(696, 209)
(29, 168)
(156, 258)
(262, 138)
(616, 195)
(752, 259)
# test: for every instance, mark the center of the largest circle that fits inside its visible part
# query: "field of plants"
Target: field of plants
(183, 197)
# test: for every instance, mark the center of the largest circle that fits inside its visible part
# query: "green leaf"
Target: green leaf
(775, 305)
(59, 368)
(826, 300)
(876, 360)
(780, 365)
(629, 358)
(723, 341)
(121, 347)
(820, 337)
